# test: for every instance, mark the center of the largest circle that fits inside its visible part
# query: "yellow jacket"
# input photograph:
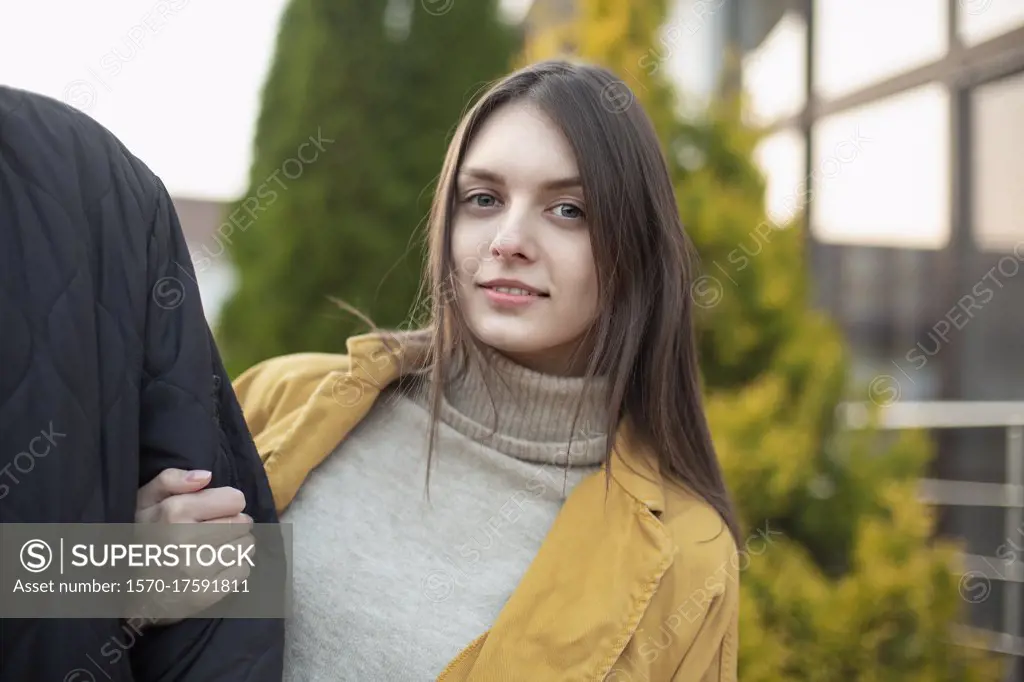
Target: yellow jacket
(638, 582)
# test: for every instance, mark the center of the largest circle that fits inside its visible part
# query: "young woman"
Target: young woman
(524, 488)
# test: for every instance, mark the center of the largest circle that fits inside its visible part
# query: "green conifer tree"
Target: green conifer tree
(357, 111)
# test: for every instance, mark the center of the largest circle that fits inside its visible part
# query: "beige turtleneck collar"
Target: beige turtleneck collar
(534, 411)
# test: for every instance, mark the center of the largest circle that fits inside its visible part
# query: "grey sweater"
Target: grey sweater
(390, 586)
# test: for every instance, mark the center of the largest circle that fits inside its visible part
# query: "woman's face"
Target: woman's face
(521, 243)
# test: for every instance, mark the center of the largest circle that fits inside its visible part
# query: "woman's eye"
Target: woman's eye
(569, 211)
(483, 200)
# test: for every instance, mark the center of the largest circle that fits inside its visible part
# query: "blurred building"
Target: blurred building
(900, 128)
(896, 132)
(215, 274)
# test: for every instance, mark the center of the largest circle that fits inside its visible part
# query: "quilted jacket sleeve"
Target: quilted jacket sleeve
(191, 419)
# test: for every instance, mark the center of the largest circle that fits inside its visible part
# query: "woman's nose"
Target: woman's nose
(510, 240)
(504, 246)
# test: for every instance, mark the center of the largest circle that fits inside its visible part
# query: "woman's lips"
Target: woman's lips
(507, 299)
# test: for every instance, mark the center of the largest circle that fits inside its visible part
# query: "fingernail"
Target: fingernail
(197, 475)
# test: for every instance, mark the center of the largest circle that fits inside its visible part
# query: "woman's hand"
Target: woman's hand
(177, 496)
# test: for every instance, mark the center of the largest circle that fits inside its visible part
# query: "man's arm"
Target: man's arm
(190, 419)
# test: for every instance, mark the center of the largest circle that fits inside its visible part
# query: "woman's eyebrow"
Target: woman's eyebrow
(564, 183)
(489, 176)
(481, 174)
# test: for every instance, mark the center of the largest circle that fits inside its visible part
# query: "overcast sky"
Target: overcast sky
(177, 80)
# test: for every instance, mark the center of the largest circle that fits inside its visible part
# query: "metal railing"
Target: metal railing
(1009, 495)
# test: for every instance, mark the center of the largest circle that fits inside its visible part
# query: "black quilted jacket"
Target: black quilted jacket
(106, 355)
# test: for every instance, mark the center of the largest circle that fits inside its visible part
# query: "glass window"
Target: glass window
(911, 293)
(881, 172)
(781, 157)
(980, 20)
(690, 49)
(985, 320)
(997, 160)
(865, 291)
(859, 43)
(774, 74)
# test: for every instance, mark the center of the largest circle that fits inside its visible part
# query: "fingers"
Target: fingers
(243, 519)
(229, 529)
(217, 532)
(198, 587)
(171, 482)
(194, 507)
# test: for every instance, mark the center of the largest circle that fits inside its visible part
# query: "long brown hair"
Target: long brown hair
(643, 339)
